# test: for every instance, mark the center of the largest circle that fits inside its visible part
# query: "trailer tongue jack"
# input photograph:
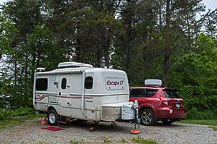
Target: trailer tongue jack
(135, 121)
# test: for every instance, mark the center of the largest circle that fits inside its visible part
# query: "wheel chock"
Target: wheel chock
(44, 121)
(92, 129)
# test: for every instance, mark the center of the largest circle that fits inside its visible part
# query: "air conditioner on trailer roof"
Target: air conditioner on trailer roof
(73, 65)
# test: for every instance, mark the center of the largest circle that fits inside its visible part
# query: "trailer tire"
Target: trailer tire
(53, 117)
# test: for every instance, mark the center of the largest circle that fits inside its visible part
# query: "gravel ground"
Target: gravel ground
(30, 132)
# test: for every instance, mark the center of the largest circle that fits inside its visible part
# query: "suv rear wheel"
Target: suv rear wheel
(147, 117)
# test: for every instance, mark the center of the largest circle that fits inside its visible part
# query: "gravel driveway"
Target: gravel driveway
(31, 132)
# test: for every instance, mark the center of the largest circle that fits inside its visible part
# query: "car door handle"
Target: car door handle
(68, 103)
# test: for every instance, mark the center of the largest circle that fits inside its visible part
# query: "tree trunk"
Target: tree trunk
(15, 71)
(166, 55)
(129, 35)
(79, 52)
(166, 67)
(26, 83)
(107, 46)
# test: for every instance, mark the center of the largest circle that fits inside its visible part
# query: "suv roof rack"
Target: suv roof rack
(153, 82)
(152, 85)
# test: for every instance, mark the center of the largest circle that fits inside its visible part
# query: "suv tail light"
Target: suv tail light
(165, 103)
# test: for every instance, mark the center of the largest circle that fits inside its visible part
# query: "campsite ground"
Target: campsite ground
(78, 132)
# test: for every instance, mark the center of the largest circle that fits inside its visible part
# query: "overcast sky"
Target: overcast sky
(210, 4)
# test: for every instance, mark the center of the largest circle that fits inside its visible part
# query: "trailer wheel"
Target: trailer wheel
(147, 117)
(53, 117)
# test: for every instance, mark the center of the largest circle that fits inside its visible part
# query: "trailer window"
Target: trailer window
(88, 83)
(63, 83)
(41, 84)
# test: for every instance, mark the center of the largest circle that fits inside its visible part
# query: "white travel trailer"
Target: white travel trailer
(80, 91)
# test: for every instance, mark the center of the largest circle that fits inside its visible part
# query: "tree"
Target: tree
(153, 33)
(211, 24)
(79, 18)
(25, 14)
(195, 75)
(7, 33)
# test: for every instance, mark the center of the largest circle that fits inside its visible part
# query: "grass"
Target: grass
(8, 123)
(201, 122)
(123, 140)
(213, 127)
(75, 141)
(106, 140)
(141, 140)
(42, 143)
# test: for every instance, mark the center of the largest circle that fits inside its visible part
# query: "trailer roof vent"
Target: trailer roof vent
(40, 69)
(73, 65)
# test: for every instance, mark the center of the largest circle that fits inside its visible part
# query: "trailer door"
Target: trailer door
(75, 94)
(63, 95)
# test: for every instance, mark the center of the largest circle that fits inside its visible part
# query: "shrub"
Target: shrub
(200, 115)
(8, 114)
(24, 111)
(4, 114)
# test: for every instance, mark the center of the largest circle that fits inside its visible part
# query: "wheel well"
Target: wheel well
(50, 108)
(149, 109)
(145, 108)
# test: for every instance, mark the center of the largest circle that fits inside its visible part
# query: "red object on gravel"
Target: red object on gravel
(52, 128)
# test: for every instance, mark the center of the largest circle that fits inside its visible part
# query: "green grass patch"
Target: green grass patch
(106, 140)
(124, 140)
(8, 123)
(141, 140)
(75, 141)
(201, 122)
(42, 143)
(213, 127)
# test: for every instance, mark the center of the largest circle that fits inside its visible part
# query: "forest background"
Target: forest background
(160, 39)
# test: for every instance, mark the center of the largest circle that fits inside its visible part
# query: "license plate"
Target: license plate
(178, 105)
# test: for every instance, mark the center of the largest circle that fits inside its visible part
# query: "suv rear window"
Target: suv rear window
(142, 92)
(171, 93)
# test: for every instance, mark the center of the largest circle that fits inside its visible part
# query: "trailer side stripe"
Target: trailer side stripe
(38, 98)
(73, 97)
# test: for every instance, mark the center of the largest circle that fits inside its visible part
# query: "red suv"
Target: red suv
(157, 103)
